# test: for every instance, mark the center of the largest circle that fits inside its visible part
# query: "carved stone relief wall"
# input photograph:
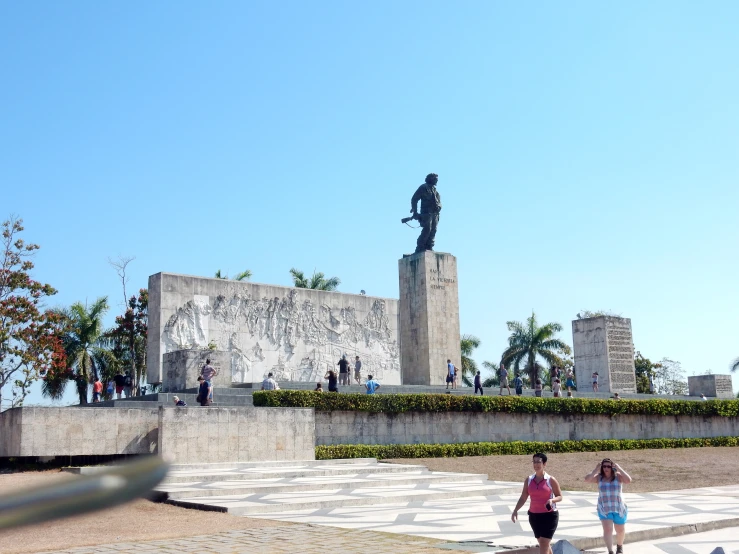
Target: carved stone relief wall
(297, 334)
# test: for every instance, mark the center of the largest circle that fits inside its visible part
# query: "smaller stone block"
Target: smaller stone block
(181, 368)
(713, 386)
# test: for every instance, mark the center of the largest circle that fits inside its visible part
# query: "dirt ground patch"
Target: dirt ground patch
(140, 520)
(651, 470)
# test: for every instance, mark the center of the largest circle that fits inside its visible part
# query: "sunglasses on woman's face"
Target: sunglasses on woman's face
(607, 467)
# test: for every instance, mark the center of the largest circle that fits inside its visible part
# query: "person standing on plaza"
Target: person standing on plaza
(555, 373)
(371, 385)
(97, 390)
(120, 381)
(208, 372)
(595, 381)
(269, 383)
(570, 383)
(343, 371)
(556, 388)
(538, 388)
(358, 370)
(319, 387)
(612, 511)
(544, 492)
(518, 385)
(478, 383)
(503, 376)
(128, 384)
(332, 381)
(204, 390)
(451, 374)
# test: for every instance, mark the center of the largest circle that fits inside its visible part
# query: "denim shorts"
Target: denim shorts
(613, 516)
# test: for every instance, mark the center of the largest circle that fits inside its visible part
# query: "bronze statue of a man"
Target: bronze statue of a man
(430, 208)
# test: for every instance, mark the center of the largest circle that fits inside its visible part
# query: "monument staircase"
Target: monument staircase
(251, 488)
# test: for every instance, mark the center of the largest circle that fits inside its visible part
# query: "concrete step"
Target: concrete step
(285, 472)
(206, 467)
(302, 484)
(334, 498)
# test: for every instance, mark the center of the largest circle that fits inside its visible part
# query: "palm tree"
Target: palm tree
(318, 281)
(83, 345)
(494, 379)
(529, 341)
(468, 343)
(244, 275)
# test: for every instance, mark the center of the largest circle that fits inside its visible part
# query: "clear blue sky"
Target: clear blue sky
(587, 153)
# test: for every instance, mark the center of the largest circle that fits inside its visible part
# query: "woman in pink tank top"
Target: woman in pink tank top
(544, 492)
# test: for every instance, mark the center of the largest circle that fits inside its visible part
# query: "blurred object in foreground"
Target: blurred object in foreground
(110, 487)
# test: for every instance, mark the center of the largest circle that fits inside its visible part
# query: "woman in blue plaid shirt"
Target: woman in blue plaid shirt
(612, 510)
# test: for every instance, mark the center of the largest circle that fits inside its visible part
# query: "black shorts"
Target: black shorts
(544, 525)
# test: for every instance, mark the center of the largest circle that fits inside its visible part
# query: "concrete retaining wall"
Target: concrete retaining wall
(78, 431)
(210, 435)
(456, 427)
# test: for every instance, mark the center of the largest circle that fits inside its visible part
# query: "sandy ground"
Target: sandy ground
(652, 470)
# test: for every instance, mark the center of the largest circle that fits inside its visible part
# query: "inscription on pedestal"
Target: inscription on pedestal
(604, 345)
(713, 386)
(429, 317)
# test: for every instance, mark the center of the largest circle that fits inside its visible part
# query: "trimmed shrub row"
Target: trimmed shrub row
(383, 452)
(399, 403)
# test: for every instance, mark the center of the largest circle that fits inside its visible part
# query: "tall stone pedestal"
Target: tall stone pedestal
(429, 317)
(604, 344)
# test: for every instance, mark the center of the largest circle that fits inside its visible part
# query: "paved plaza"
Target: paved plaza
(678, 522)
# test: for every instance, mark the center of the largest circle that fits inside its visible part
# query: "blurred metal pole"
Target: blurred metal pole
(112, 486)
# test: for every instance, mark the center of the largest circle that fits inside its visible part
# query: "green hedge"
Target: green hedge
(399, 403)
(382, 452)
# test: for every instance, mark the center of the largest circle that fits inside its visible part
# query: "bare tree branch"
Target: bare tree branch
(120, 268)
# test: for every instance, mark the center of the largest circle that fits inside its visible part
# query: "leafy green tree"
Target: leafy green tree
(243, 276)
(670, 378)
(528, 341)
(28, 342)
(468, 344)
(318, 281)
(127, 340)
(644, 369)
(87, 358)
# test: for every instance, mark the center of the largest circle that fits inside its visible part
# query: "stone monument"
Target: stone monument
(250, 329)
(429, 317)
(429, 298)
(713, 386)
(604, 344)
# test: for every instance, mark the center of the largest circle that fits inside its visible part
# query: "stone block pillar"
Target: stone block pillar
(713, 386)
(429, 317)
(181, 368)
(604, 344)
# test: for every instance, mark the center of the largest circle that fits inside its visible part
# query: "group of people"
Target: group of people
(543, 492)
(120, 385)
(343, 378)
(205, 386)
(503, 383)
